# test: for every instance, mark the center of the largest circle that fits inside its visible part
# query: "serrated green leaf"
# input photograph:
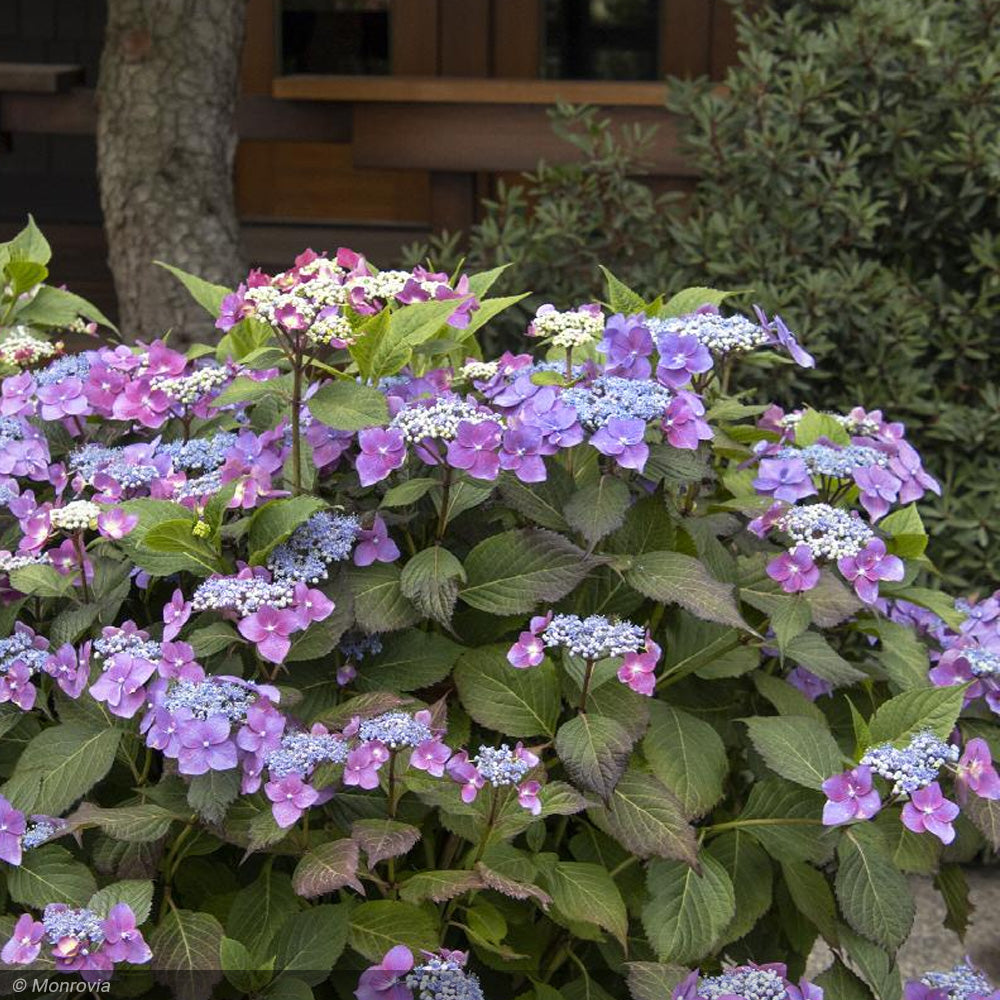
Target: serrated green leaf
(586, 892)
(137, 893)
(409, 660)
(275, 521)
(594, 750)
(431, 580)
(326, 868)
(49, 874)
(348, 406)
(935, 709)
(187, 949)
(207, 295)
(750, 872)
(380, 925)
(598, 508)
(798, 748)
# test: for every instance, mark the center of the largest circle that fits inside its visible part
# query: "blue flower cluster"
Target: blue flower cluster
(198, 453)
(501, 766)
(610, 396)
(720, 334)
(961, 983)
(123, 464)
(307, 553)
(395, 730)
(982, 662)
(39, 832)
(840, 463)
(132, 642)
(201, 486)
(301, 753)
(911, 767)
(438, 418)
(750, 984)
(443, 979)
(11, 429)
(81, 925)
(357, 645)
(242, 594)
(68, 366)
(20, 647)
(211, 697)
(828, 532)
(594, 637)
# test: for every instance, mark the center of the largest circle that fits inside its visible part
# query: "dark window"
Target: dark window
(334, 36)
(601, 40)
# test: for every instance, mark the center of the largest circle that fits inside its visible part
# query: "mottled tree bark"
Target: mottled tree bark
(166, 140)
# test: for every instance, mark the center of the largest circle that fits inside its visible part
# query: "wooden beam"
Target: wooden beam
(38, 78)
(464, 38)
(469, 138)
(259, 48)
(685, 37)
(466, 90)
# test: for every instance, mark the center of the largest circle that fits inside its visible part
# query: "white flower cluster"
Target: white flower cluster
(11, 561)
(75, 516)
(188, 389)
(479, 369)
(569, 329)
(384, 285)
(827, 531)
(720, 334)
(439, 420)
(326, 329)
(308, 299)
(22, 348)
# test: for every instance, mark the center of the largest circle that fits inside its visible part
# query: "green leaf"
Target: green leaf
(187, 949)
(56, 307)
(259, 909)
(872, 963)
(239, 967)
(873, 895)
(207, 295)
(812, 651)
(431, 580)
(813, 425)
(985, 815)
(598, 508)
(28, 244)
(786, 821)
(135, 824)
(512, 572)
(673, 578)
(380, 925)
(213, 638)
(908, 538)
(499, 696)
(653, 980)
(408, 493)
(902, 655)
(211, 794)
(49, 874)
(934, 600)
(408, 661)
(348, 406)
(383, 838)
(645, 817)
(379, 604)
(950, 881)
(687, 755)
(309, 943)
(798, 748)
(687, 300)
(439, 886)
(542, 503)
(40, 581)
(813, 897)
(688, 912)
(749, 869)
(838, 981)
(251, 390)
(586, 892)
(177, 538)
(790, 619)
(70, 758)
(326, 868)
(137, 893)
(786, 698)
(23, 275)
(594, 750)
(621, 298)
(275, 521)
(935, 709)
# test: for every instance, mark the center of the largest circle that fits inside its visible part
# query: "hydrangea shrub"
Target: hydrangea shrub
(339, 660)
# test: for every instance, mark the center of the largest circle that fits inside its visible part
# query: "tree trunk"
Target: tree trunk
(166, 140)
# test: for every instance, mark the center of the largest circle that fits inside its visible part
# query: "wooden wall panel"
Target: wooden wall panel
(517, 38)
(259, 48)
(414, 37)
(316, 181)
(685, 37)
(725, 50)
(464, 38)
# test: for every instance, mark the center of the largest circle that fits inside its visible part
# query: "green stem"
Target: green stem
(445, 499)
(588, 674)
(490, 822)
(82, 562)
(296, 423)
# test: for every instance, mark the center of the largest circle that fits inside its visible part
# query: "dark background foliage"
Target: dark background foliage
(849, 179)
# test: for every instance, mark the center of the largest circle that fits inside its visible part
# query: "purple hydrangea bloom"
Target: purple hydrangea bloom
(976, 772)
(808, 683)
(784, 479)
(382, 450)
(681, 356)
(387, 979)
(291, 797)
(682, 422)
(205, 746)
(928, 811)
(270, 629)
(850, 796)
(475, 449)
(375, 545)
(623, 440)
(871, 564)
(795, 570)
(120, 686)
(25, 943)
(62, 399)
(522, 453)
(12, 828)
(123, 941)
(879, 490)
(627, 345)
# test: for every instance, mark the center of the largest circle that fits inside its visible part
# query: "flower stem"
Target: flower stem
(490, 823)
(445, 499)
(82, 562)
(296, 422)
(588, 674)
